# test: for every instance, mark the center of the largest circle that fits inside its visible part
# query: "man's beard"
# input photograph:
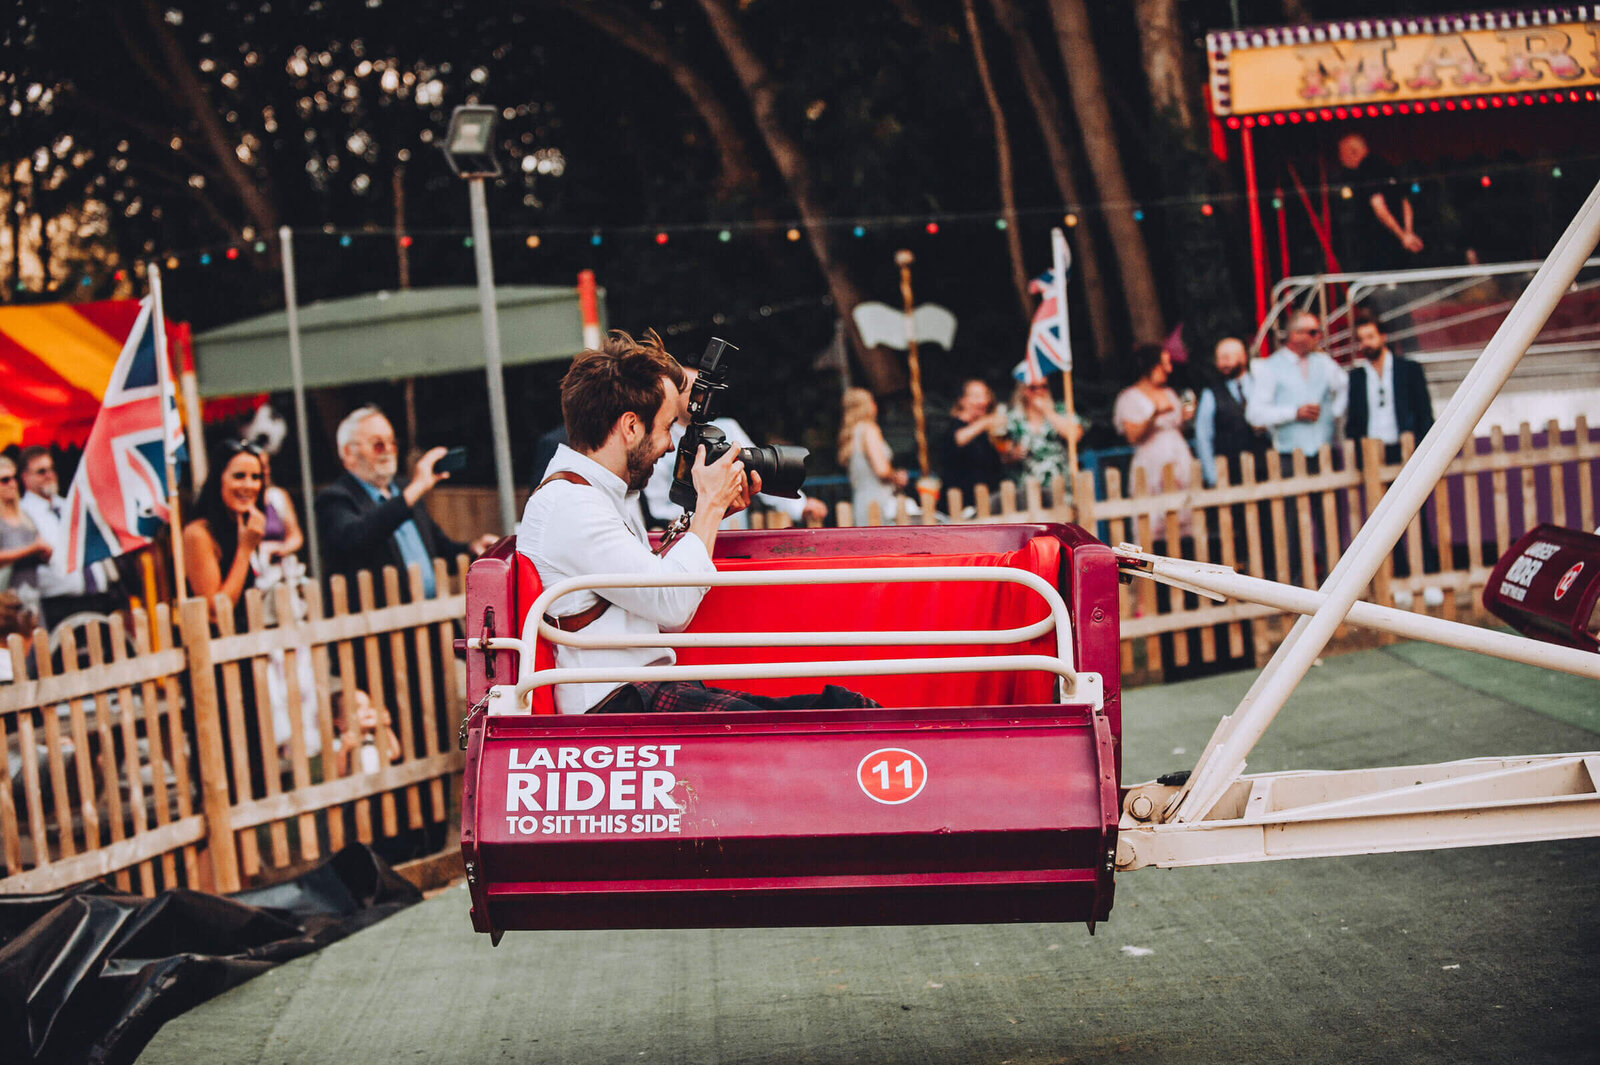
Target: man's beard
(1371, 354)
(640, 463)
(1234, 372)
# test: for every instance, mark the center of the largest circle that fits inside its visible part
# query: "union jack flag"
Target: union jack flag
(1049, 343)
(119, 495)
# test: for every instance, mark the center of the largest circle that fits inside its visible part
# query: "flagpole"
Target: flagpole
(164, 377)
(903, 259)
(1058, 248)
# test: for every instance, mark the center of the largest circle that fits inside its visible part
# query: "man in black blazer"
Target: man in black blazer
(1388, 393)
(366, 520)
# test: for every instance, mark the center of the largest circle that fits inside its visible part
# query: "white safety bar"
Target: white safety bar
(1217, 582)
(1082, 685)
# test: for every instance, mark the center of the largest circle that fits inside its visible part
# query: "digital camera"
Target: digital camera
(782, 468)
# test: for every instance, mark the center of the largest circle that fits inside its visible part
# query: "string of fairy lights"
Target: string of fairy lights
(929, 224)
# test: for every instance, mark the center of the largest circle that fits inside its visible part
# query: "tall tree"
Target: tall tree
(1002, 151)
(1052, 127)
(883, 373)
(1161, 46)
(1087, 87)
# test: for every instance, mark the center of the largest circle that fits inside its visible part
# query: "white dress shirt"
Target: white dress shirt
(572, 530)
(1381, 421)
(1284, 382)
(657, 493)
(54, 579)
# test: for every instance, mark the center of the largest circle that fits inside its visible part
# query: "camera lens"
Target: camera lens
(782, 468)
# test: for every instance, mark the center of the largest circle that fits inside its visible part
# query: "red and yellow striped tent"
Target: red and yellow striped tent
(55, 361)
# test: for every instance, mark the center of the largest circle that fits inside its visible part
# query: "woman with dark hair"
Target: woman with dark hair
(1151, 416)
(226, 526)
(967, 455)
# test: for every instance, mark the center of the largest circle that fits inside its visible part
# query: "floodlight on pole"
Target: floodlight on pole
(469, 143)
(469, 148)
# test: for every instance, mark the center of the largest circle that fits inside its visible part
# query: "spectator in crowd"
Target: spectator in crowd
(967, 455)
(1220, 428)
(226, 526)
(1037, 431)
(865, 455)
(61, 593)
(22, 550)
(16, 619)
(619, 404)
(1298, 392)
(284, 537)
(1151, 417)
(367, 520)
(364, 739)
(1388, 392)
(657, 495)
(1375, 224)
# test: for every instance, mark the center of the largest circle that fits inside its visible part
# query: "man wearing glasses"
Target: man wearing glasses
(367, 521)
(62, 593)
(1298, 393)
(1388, 393)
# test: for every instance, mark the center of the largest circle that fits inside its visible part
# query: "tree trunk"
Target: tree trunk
(1161, 47)
(1071, 18)
(1047, 111)
(1002, 152)
(883, 372)
(624, 26)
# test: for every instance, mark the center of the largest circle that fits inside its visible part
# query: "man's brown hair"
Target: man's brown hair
(624, 375)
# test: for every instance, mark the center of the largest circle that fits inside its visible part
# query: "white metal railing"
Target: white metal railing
(1083, 685)
(1309, 289)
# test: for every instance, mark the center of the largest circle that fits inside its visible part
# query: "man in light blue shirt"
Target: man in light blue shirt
(1298, 392)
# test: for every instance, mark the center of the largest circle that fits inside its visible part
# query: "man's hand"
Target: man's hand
(1411, 242)
(43, 550)
(721, 485)
(423, 477)
(814, 510)
(484, 542)
(1309, 412)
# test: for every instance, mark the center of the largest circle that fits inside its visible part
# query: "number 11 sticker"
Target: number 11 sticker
(892, 775)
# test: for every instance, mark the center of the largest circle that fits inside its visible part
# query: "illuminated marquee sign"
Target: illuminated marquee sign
(1369, 67)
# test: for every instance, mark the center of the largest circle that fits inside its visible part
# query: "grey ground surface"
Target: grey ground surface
(1482, 955)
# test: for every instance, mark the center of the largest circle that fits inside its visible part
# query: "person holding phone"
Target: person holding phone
(367, 519)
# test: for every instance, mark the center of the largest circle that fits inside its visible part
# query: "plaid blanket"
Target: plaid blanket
(693, 697)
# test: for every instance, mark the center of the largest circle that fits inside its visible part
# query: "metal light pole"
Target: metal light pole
(469, 148)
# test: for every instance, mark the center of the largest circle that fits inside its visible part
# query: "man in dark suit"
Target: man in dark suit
(1388, 393)
(367, 520)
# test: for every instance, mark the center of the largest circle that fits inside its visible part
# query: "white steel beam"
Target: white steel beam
(1275, 816)
(1238, 734)
(1216, 581)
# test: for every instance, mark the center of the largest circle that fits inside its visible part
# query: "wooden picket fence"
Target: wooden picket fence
(154, 761)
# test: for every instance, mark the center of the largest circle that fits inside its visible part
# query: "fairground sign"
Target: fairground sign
(1408, 65)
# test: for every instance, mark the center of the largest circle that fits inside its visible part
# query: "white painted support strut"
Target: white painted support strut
(1236, 736)
(1221, 580)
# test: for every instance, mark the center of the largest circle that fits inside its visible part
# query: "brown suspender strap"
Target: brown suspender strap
(583, 618)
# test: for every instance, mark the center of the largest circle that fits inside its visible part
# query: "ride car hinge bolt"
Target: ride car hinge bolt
(1140, 807)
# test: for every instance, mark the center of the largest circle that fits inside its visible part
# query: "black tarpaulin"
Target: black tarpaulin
(88, 975)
